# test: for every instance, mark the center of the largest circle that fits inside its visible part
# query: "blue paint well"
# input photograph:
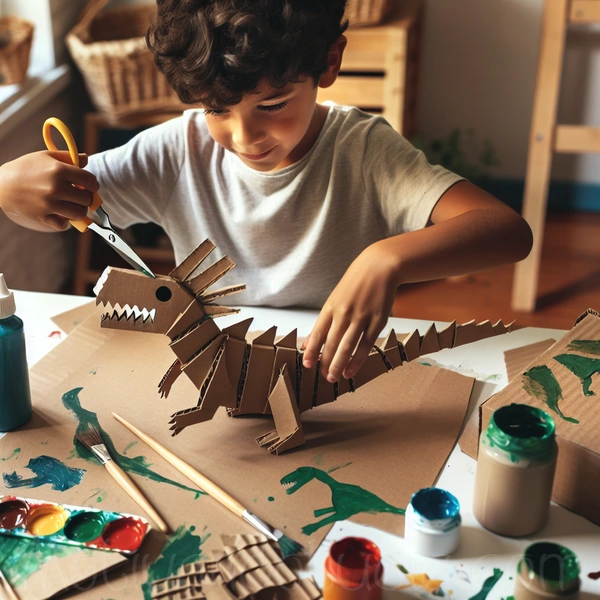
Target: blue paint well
(48, 471)
(434, 504)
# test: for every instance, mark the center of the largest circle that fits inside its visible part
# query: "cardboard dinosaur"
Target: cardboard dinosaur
(263, 376)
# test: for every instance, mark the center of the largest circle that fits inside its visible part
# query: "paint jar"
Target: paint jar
(515, 471)
(353, 571)
(15, 398)
(432, 522)
(547, 571)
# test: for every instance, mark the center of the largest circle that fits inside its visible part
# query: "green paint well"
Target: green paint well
(540, 383)
(85, 526)
(585, 346)
(488, 584)
(138, 464)
(552, 563)
(346, 499)
(21, 558)
(183, 547)
(14, 453)
(271, 499)
(48, 471)
(581, 366)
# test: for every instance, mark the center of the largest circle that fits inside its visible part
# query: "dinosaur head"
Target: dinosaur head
(301, 476)
(137, 302)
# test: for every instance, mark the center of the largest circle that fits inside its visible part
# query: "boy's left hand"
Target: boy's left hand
(354, 314)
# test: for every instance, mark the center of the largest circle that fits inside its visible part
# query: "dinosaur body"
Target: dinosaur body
(264, 376)
(346, 499)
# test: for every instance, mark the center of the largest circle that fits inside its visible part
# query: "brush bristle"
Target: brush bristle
(289, 547)
(89, 437)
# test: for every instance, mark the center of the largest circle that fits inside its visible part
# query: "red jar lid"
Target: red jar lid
(354, 560)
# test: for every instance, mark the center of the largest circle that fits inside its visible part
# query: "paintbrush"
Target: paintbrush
(92, 440)
(8, 589)
(288, 547)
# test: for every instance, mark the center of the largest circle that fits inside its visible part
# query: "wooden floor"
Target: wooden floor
(569, 282)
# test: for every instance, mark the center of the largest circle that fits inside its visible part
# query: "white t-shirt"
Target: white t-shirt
(293, 232)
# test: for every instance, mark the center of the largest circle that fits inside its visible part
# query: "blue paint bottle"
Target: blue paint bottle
(15, 398)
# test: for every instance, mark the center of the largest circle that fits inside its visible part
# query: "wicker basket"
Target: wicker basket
(16, 36)
(110, 50)
(367, 12)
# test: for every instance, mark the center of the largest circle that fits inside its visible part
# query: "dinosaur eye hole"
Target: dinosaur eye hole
(163, 294)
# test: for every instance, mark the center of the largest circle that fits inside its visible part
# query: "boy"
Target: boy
(319, 206)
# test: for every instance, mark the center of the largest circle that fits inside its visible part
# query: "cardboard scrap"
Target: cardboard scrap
(248, 565)
(564, 382)
(517, 359)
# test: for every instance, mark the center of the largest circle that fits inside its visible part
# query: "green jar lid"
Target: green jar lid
(555, 566)
(522, 431)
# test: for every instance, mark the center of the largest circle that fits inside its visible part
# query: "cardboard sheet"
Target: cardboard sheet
(391, 437)
(517, 359)
(564, 381)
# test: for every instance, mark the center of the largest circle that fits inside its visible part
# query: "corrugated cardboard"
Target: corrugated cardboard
(518, 358)
(578, 466)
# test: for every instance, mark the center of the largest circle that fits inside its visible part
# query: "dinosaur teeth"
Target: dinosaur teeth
(101, 281)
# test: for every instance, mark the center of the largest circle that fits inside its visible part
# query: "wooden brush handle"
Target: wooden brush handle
(8, 589)
(127, 484)
(205, 484)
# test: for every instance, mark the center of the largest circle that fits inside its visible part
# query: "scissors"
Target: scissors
(104, 229)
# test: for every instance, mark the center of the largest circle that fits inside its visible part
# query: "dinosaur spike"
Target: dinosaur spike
(391, 350)
(372, 367)
(221, 293)
(465, 333)
(267, 338)
(446, 336)
(239, 330)
(191, 263)
(199, 283)
(216, 310)
(484, 330)
(430, 341)
(412, 345)
(289, 341)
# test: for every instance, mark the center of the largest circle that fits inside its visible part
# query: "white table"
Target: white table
(480, 551)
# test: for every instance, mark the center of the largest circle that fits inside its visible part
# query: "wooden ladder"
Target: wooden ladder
(546, 137)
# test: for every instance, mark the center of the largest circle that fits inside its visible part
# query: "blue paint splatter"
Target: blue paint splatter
(48, 471)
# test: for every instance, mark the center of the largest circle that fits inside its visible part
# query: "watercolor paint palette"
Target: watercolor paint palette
(72, 525)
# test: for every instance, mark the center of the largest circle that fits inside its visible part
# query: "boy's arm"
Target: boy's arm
(470, 231)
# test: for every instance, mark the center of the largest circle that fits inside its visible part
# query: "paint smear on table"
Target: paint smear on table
(487, 586)
(21, 558)
(137, 464)
(13, 454)
(540, 383)
(48, 471)
(585, 346)
(595, 576)
(346, 499)
(422, 580)
(182, 548)
(583, 367)
(97, 495)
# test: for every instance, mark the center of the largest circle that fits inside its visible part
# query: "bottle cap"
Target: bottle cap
(7, 300)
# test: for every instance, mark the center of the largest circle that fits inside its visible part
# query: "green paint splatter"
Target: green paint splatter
(582, 366)
(98, 494)
(585, 346)
(540, 383)
(48, 470)
(182, 548)
(21, 558)
(425, 364)
(340, 467)
(271, 499)
(129, 447)
(255, 500)
(493, 377)
(346, 499)
(488, 584)
(403, 569)
(14, 453)
(138, 464)
(320, 458)
(509, 597)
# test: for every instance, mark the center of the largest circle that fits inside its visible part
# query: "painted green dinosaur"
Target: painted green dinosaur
(346, 499)
(582, 366)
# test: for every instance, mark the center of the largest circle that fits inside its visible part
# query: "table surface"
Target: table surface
(480, 551)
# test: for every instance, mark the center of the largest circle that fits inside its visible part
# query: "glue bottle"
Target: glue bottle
(15, 398)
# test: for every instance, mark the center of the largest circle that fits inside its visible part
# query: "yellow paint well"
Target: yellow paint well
(47, 520)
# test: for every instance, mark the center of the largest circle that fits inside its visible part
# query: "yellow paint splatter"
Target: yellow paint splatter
(422, 580)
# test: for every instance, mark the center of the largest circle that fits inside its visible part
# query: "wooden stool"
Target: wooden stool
(380, 69)
(546, 137)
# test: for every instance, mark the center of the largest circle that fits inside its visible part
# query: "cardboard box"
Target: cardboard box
(564, 381)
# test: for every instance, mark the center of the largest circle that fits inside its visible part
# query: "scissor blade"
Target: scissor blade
(122, 248)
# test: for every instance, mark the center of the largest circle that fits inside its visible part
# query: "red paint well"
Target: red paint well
(125, 534)
(13, 514)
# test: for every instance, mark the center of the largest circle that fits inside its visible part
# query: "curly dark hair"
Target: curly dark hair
(212, 52)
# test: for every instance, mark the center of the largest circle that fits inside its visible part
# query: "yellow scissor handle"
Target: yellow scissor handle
(82, 224)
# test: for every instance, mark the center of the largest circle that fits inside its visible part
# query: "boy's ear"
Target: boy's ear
(334, 62)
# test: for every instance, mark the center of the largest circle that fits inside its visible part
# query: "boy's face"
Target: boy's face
(272, 128)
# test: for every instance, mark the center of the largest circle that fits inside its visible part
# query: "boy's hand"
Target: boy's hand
(354, 314)
(43, 190)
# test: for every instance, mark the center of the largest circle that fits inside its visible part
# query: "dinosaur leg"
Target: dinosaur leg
(288, 432)
(174, 371)
(310, 529)
(323, 511)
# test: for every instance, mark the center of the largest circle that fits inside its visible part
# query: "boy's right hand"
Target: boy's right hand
(44, 191)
